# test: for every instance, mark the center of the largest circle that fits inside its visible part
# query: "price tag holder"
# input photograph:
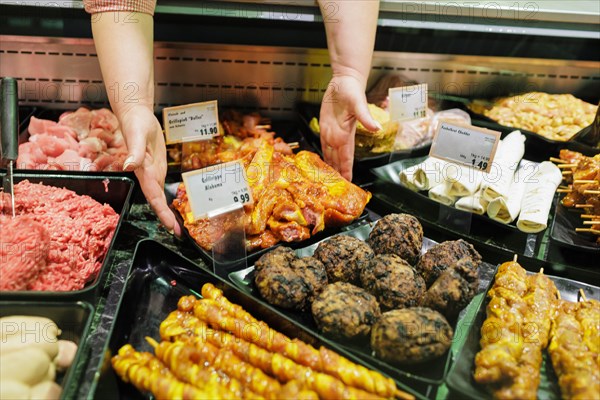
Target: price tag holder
(191, 122)
(466, 145)
(216, 187)
(408, 102)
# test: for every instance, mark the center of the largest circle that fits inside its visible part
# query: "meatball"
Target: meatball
(411, 335)
(449, 294)
(280, 256)
(343, 257)
(343, 310)
(399, 234)
(393, 281)
(445, 256)
(282, 286)
(312, 273)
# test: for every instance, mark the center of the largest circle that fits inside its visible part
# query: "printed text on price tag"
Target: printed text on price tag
(216, 187)
(191, 122)
(408, 102)
(466, 145)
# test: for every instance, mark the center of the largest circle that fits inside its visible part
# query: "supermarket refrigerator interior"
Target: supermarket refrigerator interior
(300, 199)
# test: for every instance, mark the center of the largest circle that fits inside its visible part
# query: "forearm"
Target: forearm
(124, 43)
(350, 53)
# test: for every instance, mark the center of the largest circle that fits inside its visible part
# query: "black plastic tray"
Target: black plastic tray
(72, 318)
(461, 379)
(118, 196)
(563, 231)
(432, 372)
(157, 280)
(390, 173)
(308, 111)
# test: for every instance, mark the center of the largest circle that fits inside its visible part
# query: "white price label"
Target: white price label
(466, 145)
(408, 102)
(216, 187)
(191, 122)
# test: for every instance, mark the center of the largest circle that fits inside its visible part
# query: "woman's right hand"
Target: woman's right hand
(148, 159)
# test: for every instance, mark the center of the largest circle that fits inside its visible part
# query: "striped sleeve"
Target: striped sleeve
(141, 6)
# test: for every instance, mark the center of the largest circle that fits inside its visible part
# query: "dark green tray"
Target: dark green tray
(460, 380)
(432, 372)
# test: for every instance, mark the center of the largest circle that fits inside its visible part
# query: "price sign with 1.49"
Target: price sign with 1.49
(191, 122)
(216, 187)
(465, 144)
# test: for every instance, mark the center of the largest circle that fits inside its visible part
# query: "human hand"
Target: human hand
(344, 104)
(148, 158)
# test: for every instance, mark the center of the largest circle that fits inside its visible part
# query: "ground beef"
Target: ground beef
(24, 246)
(343, 257)
(80, 231)
(343, 310)
(399, 234)
(393, 281)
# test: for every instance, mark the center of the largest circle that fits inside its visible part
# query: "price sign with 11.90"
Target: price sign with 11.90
(216, 187)
(191, 122)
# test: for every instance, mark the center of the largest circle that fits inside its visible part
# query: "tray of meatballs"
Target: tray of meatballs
(381, 291)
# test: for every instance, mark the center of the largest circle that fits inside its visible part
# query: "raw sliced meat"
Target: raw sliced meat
(62, 131)
(31, 156)
(37, 126)
(102, 134)
(79, 121)
(105, 119)
(90, 147)
(51, 145)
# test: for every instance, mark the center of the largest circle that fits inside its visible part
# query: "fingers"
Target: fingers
(156, 198)
(136, 144)
(364, 116)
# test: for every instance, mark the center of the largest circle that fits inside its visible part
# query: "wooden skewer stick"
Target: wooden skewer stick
(558, 295)
(515, 258)
(564, 190)
(265, 127)
(582, 293)
(542, 271)
(565, 187)
(589, 230)
(585, 181)
(558, 160)
(591, 192)
(561, 166)
(584, 206)
(294, 145)
(567, 172)
(589, 216)
(591, 222)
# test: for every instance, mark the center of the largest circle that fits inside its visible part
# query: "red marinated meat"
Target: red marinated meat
(24, 247)
(79, 121)
(79, 228)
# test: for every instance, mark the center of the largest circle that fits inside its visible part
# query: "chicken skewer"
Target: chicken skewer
(574, 349)
(322, 360)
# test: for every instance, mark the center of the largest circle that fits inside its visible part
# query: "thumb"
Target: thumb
(136, 145)
(364, 117)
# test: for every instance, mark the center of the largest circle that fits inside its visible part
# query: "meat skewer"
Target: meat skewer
(148, 374)
(185, 367)
(322, 360)
(520, 307)
(574, 349)
(275, 364)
